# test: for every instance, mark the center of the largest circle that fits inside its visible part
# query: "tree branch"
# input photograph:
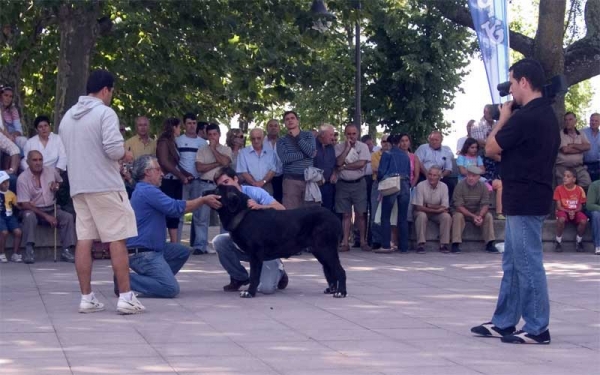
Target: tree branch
(582, 58)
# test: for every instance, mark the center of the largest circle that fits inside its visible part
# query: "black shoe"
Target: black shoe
(420, 250)
(579, 247)
(490, 330)
(376, 246)
(198, 252)
(356, 244)
(235, 285)
(455, 248)
(557, 247)
(490, 248)
(67, 256)
(283, 282)
(444, 249)
(522, 337)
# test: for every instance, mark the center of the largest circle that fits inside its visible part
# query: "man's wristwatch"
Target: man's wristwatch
(264, 182)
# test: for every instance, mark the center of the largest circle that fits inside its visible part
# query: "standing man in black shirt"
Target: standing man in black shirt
(528, 140)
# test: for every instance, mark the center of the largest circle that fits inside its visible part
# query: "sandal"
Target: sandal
(365, 247)
(500, 217)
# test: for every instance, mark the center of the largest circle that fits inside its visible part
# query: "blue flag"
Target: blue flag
(489, 18)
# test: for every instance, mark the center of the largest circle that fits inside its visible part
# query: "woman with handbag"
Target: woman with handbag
(394, 186)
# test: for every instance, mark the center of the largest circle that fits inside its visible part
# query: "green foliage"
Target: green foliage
(579, 100)
(253, 58)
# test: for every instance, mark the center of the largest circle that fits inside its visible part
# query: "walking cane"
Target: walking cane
(55, 229)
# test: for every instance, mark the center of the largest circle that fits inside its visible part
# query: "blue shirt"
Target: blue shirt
(325, 159)
(254, 163)
(593, 154)
(259, 195)
(393, 162)
(442, 157)
(151, 207)
(267, 145)
(188, 147)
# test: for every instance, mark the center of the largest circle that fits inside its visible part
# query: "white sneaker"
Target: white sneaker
(16, 258)
(3, 258)
(94, 305)
(597, 251)
(210, 249)
(134, 306)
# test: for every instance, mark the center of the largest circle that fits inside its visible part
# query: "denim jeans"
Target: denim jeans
(155, 271)
(595, 219)
(191, 191)
(403, 198)
(230, 257)
(523, 289)
(201, 220)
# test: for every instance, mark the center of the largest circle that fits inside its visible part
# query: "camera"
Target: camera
(556, 86)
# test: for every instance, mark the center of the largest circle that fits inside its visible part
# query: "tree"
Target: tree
(577, 61)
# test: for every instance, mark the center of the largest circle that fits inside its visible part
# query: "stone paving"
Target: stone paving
(405, 314)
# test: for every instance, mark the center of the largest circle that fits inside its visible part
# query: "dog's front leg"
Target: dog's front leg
(255, 271)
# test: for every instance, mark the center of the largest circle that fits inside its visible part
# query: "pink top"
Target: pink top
(411, 156)
(28, 191)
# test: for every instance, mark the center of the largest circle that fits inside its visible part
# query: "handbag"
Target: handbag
(390, 184)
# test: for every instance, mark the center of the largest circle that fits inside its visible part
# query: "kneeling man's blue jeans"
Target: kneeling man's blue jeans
(155, 271)
(523, 290)
(230, 257)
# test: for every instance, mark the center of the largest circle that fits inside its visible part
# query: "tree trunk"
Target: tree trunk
(548, 45)
(78, 27)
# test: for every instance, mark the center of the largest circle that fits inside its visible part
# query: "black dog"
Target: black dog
(272, 234)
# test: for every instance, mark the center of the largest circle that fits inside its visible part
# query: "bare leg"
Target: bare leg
(120, 264)
(17, 234)
(347, 223)
(3, 236)
(362, 228)
(83, 265)
(581, 228)
(497, 185)
(560, 226)
(394, 235)
(173, 235)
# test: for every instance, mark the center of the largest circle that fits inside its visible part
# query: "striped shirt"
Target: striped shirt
(296, 153)
(473, 198)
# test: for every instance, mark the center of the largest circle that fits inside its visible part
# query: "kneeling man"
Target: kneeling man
(471, 200)
(154, 260)
(273, 275)
(36, 189)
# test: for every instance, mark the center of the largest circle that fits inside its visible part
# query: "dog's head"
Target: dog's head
(233, 201)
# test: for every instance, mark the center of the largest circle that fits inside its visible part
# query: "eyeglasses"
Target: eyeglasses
(382, 141)
(239, 136)
(256, 138)
(154, 169)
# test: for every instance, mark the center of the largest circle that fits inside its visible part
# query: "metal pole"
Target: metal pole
(357, 80)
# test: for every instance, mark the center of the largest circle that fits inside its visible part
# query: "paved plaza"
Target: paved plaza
(405, 314)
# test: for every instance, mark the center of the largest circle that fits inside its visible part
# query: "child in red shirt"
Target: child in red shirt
(569, 199)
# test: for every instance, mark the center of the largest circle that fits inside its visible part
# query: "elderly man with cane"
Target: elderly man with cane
(36, 188)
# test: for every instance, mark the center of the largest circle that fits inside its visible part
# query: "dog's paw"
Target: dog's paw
(245, 294)
(339, 295)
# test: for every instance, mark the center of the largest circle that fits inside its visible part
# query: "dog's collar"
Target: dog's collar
(237, 219)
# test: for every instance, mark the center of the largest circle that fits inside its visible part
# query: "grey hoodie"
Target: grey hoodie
(90, 132)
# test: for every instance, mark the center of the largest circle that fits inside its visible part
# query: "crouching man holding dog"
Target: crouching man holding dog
(155, 261)
(273, 276)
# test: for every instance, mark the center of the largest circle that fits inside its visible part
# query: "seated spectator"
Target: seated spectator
(591, 158)
(236, 141)
(8, 221)
(569, 199)
(155, 261)
(256, 163)
(434, 154)
(272, 276)
(431, 202)
(48, 143)
(492, 177)
(141, 143)
(36, 189)
(471, 201)
(469, 156)
(10, 148)
(573, 144)
(11, 125)
(593, 207)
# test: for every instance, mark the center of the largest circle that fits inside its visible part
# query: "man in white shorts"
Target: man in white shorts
(94, 146)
